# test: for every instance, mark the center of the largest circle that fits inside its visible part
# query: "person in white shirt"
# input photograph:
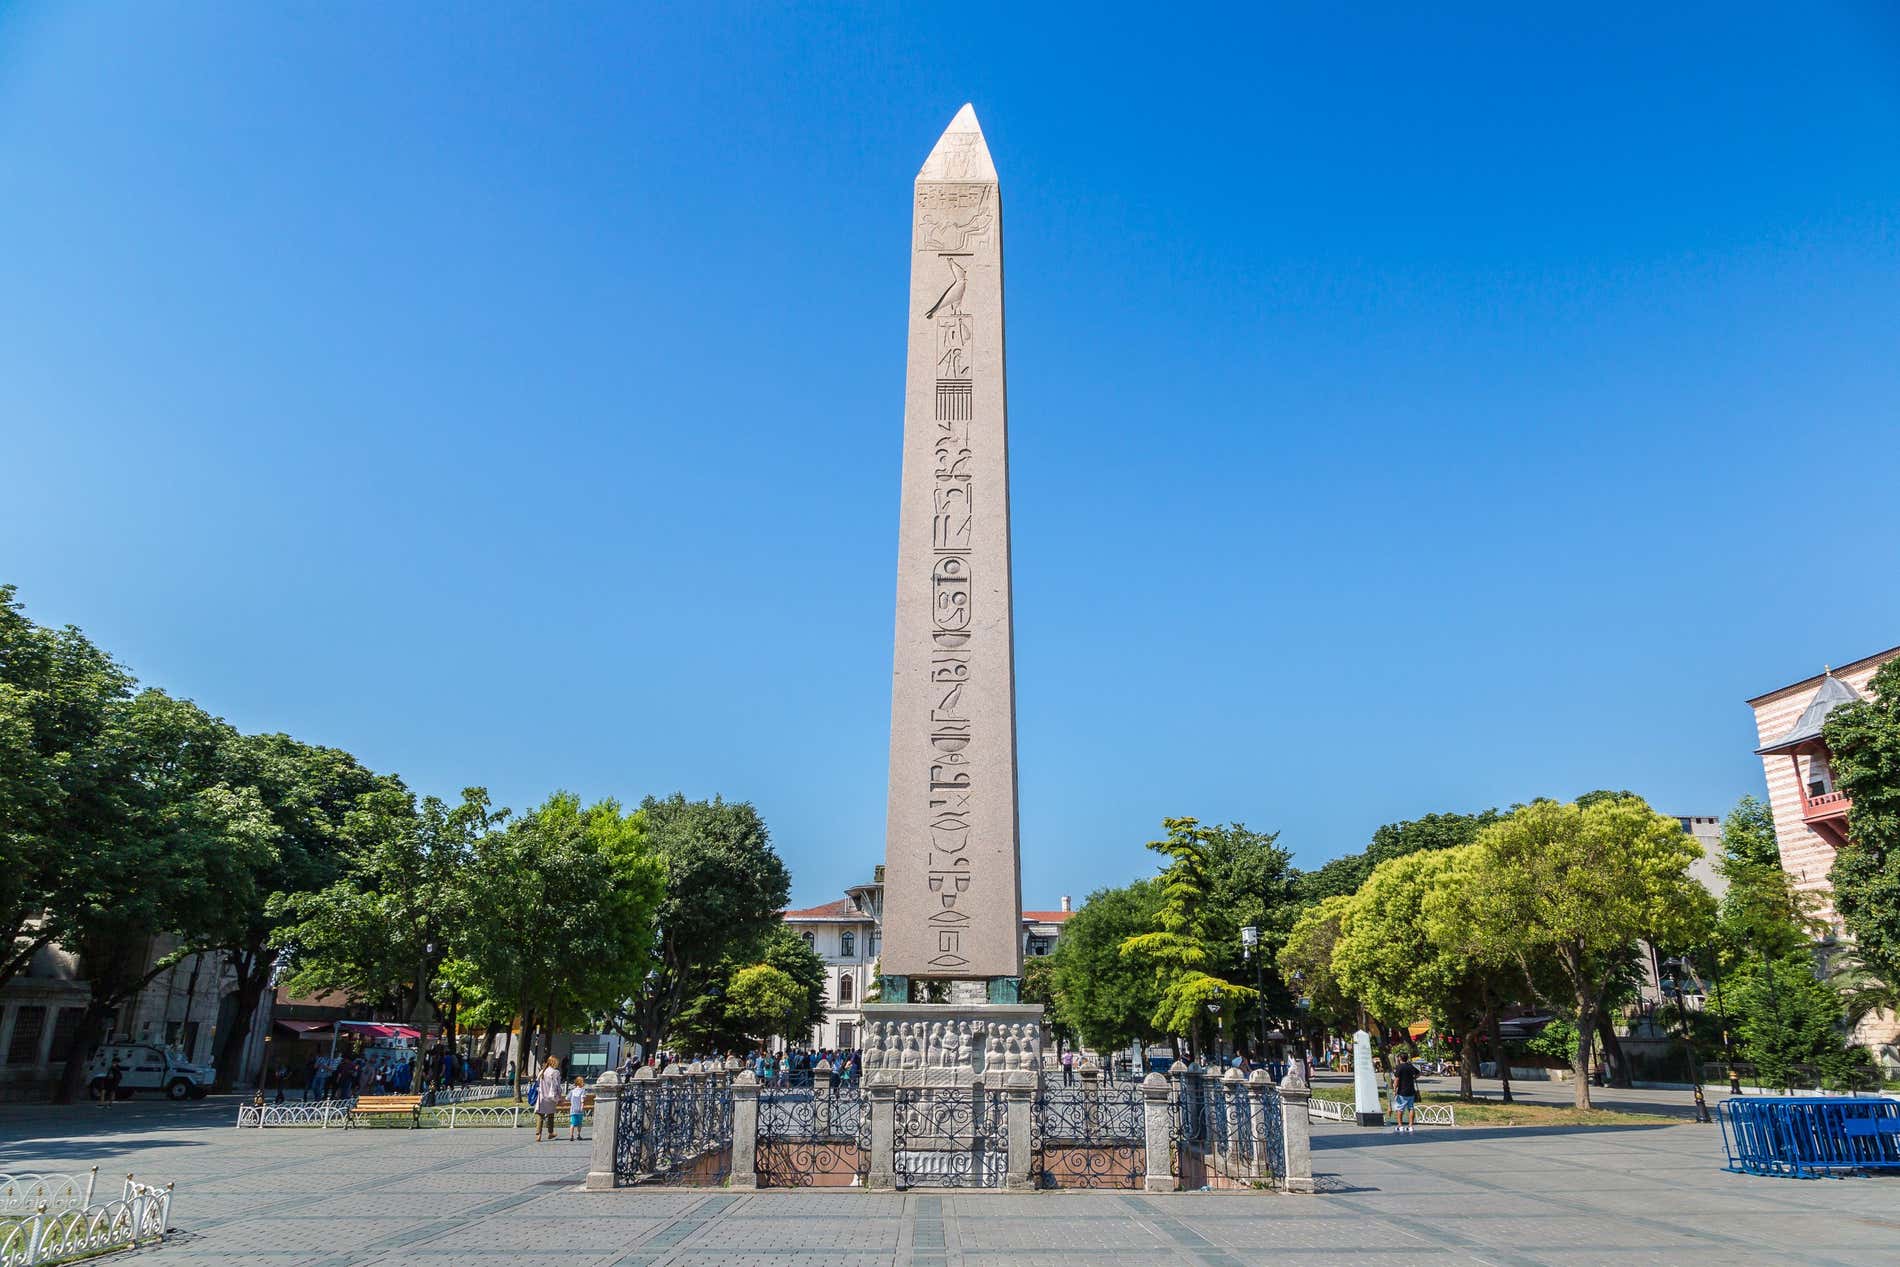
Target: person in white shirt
(576, 1107)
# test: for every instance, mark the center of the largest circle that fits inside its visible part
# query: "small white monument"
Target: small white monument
(1365, 1082)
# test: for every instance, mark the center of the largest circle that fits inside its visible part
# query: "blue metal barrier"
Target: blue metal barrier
(1809, 1136)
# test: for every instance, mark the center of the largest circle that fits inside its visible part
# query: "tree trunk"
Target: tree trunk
(1586, 1038)
(85, 1039)
(253, 973)
(1614, 1058)
(1497, 1054)
(1467, 1060)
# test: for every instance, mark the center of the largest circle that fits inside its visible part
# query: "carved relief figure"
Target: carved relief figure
(951, 300)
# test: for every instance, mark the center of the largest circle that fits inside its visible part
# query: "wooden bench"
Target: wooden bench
(387, 1106)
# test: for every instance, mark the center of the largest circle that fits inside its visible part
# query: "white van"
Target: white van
(149, 1067)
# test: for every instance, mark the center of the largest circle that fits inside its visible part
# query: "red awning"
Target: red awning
(302, 1028)
(381, 1029)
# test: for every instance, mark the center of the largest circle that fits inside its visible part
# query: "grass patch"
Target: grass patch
(1493, 1113)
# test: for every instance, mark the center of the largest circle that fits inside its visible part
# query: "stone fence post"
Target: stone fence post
(600, 1171)
(1296, 1129)
(883, 1108)
(1018, 1092)
(1155, 1095)
(745, 1130)
(821, 1098)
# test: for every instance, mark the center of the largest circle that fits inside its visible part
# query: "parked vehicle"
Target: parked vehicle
(149, 1067)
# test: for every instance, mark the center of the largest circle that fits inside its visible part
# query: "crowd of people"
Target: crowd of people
(380, 1071)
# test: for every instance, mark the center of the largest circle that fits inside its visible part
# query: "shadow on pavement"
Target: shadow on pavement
(84, 1148)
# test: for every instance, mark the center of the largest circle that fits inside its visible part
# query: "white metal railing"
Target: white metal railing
(319, 1113)
(29, 1193)
(141, 1214)
(1319, 1110)
(446, 1096)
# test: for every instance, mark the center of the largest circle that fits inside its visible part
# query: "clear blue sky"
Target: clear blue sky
(1409, 413)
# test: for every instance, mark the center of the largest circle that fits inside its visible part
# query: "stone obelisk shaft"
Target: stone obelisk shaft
(952, 895)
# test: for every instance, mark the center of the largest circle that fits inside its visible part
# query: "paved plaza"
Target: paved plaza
(1503, 1196)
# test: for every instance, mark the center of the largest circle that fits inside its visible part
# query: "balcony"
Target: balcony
(1826, 816)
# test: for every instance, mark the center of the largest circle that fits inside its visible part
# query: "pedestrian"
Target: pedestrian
(576, 1106)
(113, 1077)
(547, 1100)
(1068, 1068)
(1405, 1094)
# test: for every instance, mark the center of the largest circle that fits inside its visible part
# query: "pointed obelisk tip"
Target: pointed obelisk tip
(960, 154)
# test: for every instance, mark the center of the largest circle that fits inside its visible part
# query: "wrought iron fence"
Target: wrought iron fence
(1225, 1133)
(807, 1140)
(1089, 1137)
(950, 1137)
(675, 1129)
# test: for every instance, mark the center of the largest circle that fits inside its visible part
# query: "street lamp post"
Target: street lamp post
(1213, 1008)
(1675, 969)
(1249, 943)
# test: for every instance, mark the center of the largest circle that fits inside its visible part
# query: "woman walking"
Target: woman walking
(547, 1099)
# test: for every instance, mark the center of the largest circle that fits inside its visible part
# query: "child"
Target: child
(576, 1105)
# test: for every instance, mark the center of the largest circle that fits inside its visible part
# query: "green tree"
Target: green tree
(382, 928)
(724, 888)
(1178, 949)
(1251, 881)
(1105, 999)
(708, 1024)
(1790, 1019)
(764, 1001)
(307, 791)
(1344, 876)
(1307, 963)
(59, 696)
(1863, 739)
(558, 912)
(179, 844)
(1401, 951)
(1580, 886)
(1039, 986)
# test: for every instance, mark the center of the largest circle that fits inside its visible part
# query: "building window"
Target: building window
(870, 943)
(28, 1024)
(1039, 945)
(811, 943)
(844, 985)
(848, 944)
(847, 1035)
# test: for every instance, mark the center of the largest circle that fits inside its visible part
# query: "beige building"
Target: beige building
(847, 933)
(1810, 812)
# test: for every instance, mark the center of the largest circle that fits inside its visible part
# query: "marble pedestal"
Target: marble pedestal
(978, 1059)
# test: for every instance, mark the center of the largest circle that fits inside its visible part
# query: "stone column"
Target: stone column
(1297, 1130)
(1018, 1105)
(883, 1109)
(745, 1130)
(1091, 1093)
(1155, 1095)
(600, 1171)
(821, 1098)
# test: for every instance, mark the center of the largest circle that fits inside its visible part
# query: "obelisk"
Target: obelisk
(952, 894)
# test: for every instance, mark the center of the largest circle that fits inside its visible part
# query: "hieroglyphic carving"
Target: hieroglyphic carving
(950, 220)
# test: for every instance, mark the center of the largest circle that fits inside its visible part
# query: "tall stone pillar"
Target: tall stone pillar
(952, 894)
(600, 1169)
(821, 1098)
(1155, 1097)
(745, 1130)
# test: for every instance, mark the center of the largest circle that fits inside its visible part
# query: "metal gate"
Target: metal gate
(1089, 1137)
(950, 1137)
(813, 1141)
(1213, 1134)
(675, 1131)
